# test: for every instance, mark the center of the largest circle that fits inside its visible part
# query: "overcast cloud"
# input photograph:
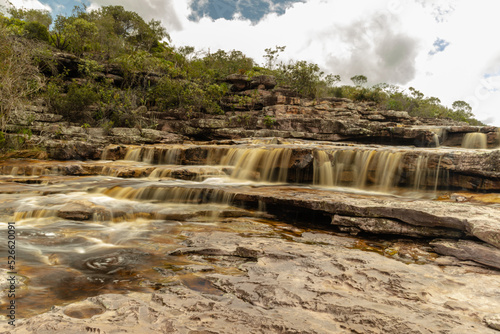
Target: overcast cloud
(443, 48)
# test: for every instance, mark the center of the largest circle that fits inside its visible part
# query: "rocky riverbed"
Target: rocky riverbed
(158, 241)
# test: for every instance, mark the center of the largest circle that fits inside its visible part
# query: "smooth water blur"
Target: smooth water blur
(88, 228)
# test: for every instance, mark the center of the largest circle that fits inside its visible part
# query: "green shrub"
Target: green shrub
(2, 139)
(73, 105)
(36, 30)
(187, 95)
(20, 78)
(269, 121)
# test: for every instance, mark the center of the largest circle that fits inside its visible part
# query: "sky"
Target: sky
(443, 48)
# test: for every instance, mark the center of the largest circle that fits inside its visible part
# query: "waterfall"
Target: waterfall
(260, 164)
(357, 168)
(133, 154)
(475, 140)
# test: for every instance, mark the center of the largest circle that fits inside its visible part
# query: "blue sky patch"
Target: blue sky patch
(439, 46)
(253, 10)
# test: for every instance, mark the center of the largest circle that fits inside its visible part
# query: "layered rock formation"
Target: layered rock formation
(292, 216)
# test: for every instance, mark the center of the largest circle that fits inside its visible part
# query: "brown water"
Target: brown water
(89, 228)
(475, 140)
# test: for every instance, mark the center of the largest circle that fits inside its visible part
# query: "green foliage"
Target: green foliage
(272, 56)
(462, 111)
(109, 32)
(221, 63)
(20, 77)
(359, 80)
(36, 30)
(136, 64)
(301, 76)
(269, 121)
(187, 95)
(73, 105)
(92, 102)
(416, 104)
(129, 27)
(107, 126)
(157, 74)
(41, 16)
(22, 138)
(117, 105)
(89, 67)
(29, 29)
(79, 34)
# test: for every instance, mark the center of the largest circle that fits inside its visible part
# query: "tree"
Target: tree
(359, 80)
(81, 35)
(461, 106)
(129, 27)
(302, 76)
(463, 112)
(31, 15)
(416, 94)
(36, 30)
(19, 76)
(222, 63)
(272, 55)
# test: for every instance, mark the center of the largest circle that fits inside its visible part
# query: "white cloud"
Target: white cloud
(458, 72)
(27, 4)
(347, 38)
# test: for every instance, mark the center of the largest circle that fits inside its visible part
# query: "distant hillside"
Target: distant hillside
(107, 66)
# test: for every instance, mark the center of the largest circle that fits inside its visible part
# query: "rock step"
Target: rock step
(412, 167)
(29, 168)
(349, 212)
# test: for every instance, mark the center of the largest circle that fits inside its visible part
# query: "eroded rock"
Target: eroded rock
(321, 284)
(469, 250)
(388, 226)
(493, 321)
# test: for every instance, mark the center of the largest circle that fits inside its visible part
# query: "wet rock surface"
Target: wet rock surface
(477, 170)
(310, 282)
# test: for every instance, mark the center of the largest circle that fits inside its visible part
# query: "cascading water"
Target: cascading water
(439, 136)
(265, 165)
(357, 168)
(475, 140)
(107, 226)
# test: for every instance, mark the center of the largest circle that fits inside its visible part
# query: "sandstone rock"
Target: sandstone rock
(71, 150)
(81, 210)
(83, 310)
(394, 114)
(310, 283)
(376, 117)
(485, 228)
(469, 250)
(48, 118)
(239, 81)
(388, 226)
(493, 321)
(268, 81)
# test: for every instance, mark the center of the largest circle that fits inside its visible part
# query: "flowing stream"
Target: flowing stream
(96, 227)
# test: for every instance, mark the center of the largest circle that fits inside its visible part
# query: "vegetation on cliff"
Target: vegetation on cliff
(104, 67)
